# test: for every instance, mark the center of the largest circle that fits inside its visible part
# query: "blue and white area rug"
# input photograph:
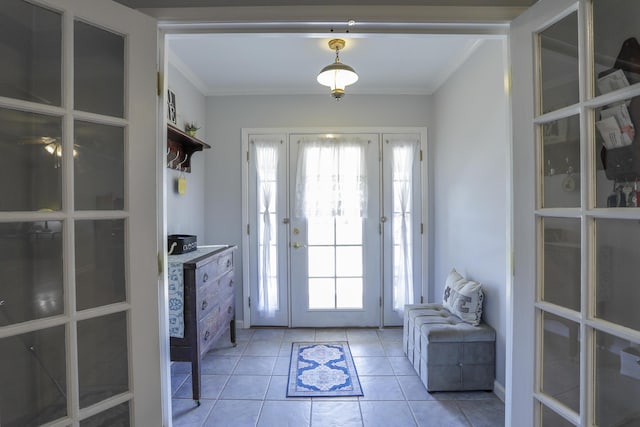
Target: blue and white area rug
(322, 369)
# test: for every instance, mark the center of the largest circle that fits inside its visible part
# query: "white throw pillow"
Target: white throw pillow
(463, 298)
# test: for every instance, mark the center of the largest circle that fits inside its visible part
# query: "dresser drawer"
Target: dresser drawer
(227, 312)
(218, 266)
(212, 292)
(208, 329)
(225, 286)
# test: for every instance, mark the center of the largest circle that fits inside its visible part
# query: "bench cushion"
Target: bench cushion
(447, 353)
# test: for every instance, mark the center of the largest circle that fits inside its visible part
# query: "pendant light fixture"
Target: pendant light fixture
(337, 75)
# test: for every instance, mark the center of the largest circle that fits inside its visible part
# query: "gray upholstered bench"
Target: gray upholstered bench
(447, 353)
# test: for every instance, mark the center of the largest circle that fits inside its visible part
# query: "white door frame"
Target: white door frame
(521, 345)
(301, 315)
(143, 286)
(489, 22)
(424, 260)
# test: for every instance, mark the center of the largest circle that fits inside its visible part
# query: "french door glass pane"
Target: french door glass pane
(561, 163)
(34, 377)
(103, 369)
(99, 59)
(33, 175)
(561, 360)
(335, 271)
(322, 293)
(321, 261)
(615, 23)
(349, 293)
(617, 254)
(551, 419)
(117, 416)
(100, 263)
(617, 132)
(32, 45)
(349, 261)
(617, 381)
(348, 232)
(559, 64)
(321, 231)
(561, 255)
(31, 264)
(98, 166)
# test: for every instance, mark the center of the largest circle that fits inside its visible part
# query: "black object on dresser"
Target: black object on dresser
(208, 304)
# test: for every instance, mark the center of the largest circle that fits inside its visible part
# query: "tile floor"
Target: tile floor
(246, 386)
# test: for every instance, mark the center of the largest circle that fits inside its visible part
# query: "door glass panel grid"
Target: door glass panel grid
(560, 162)
(560, 257)
(33, 47)
(559, 302)
(615, 61)
(557, 64)
(616, 379)
(558, 364)
(616, 131)
(548, 418)
(335, 271)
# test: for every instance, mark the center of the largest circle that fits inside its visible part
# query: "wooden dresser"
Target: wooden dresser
(208, 304)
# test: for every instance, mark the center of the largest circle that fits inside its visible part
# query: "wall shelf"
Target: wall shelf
(180, 148)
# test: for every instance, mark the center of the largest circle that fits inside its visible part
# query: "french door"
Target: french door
(79, 329)
(576, 97)
(334, 261)
(322, 269)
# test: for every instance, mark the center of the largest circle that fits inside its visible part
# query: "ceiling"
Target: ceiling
(278, 63)
(267, 64)
(243, 3)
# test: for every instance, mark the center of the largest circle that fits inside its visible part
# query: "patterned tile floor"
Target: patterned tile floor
(246, 386)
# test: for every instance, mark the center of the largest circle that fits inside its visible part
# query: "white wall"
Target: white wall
(185, 213)
(226, 116)
(469, 161)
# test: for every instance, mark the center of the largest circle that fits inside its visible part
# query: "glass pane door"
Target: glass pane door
(268, 229)
(335, 278)
(583, 225)
(402, 223)
(71, 221)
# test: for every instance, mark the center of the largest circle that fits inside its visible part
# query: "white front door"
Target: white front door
(575, 328)
(325, 270)
(402, 222)
(335, 260)
(268, 230)
(79, 321)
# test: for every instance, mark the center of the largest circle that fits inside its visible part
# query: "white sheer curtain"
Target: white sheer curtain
(331, 178)
(267, 171)
(402, 177)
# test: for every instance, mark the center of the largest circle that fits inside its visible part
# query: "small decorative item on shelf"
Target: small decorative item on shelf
(191, 128)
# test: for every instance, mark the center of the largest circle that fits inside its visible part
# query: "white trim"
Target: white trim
(498, 390)
(287, 131)
(161, 179)
(187, 72)
(399, 18)
(446, 71)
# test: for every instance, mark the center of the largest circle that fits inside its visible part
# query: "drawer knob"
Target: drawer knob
(228, 263)
(229, 310)
(205, 277)
(206, 335)
(205, 304)
(230, 282)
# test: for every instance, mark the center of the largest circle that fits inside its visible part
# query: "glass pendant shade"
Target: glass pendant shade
(337, 76)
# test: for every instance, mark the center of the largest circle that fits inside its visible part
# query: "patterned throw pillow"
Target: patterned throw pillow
(463, 298)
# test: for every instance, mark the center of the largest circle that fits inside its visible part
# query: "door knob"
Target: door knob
(296, 245)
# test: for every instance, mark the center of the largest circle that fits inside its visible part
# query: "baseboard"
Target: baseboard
(498, 390)
(239, 324)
